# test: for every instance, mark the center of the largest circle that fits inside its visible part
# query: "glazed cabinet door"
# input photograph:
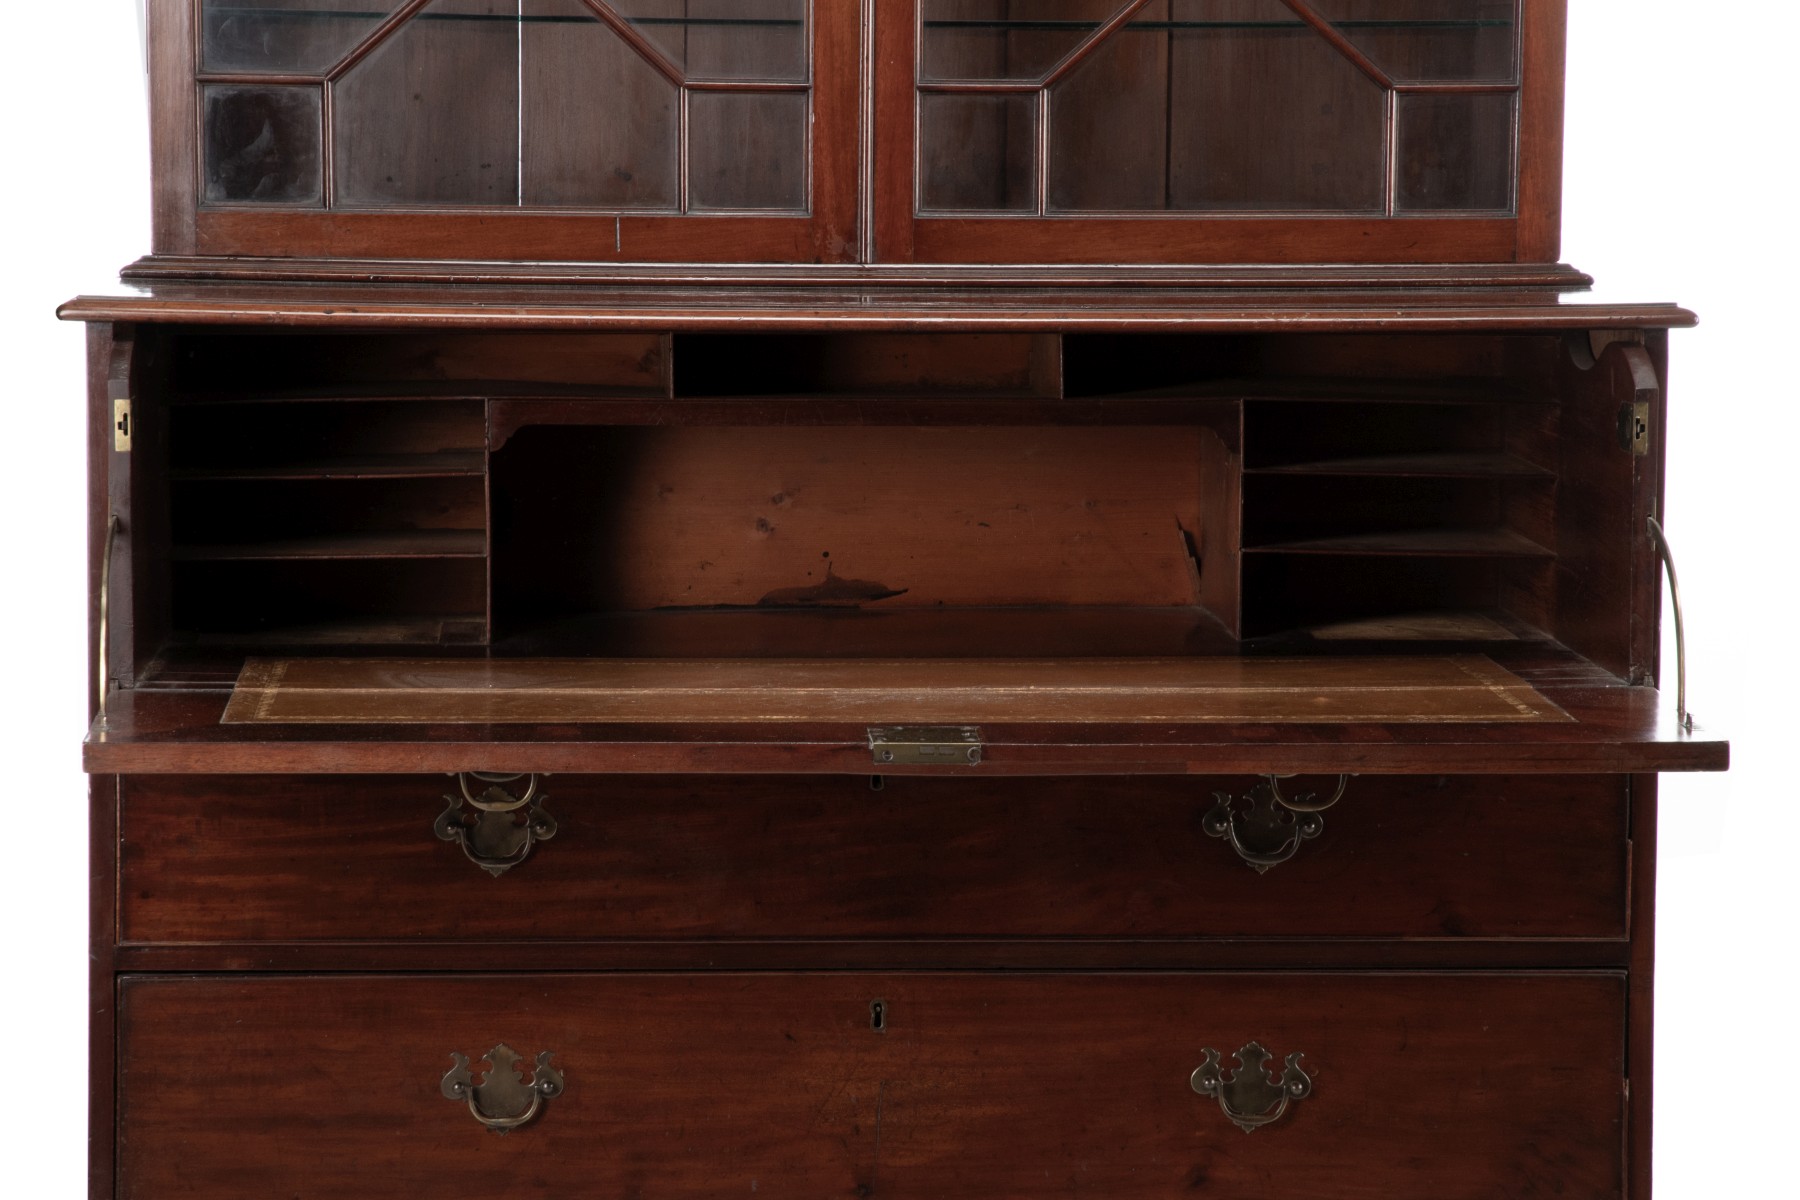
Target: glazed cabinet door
(1118, 131)
(590, 130)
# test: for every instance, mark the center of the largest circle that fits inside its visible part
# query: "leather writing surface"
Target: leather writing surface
(1450, 688)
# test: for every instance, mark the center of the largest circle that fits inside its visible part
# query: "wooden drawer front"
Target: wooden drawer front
(1439, 1087)
(330, 1088)
(308, 858)
(1423, 1087)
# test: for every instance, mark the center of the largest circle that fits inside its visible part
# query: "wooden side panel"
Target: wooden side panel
(1640, 1049)
(1216, 547)
(1470, 857)
(103, 938)
(1603, 497)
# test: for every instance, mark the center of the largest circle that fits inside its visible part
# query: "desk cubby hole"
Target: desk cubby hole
(847, 494)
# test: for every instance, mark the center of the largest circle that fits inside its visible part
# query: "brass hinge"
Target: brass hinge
(1634, 426)
(122, 425)
(926, 745)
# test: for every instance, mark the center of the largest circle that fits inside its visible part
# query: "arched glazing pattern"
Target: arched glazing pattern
(626, 106)
(1363, 107)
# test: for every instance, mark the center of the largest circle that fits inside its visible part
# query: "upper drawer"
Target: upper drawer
(326, 858)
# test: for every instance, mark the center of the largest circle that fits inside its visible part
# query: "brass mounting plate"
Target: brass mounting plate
(1634, 426)
(122, 425)
(925, 745)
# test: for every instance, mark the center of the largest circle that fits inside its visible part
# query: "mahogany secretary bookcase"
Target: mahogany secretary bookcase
(843, 598)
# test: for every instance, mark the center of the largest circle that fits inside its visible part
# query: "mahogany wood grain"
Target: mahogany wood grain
(1122, 310)
(1604, 560)
(1640, 1002)
(1407, 858)
(831, 954)
(1540, 134)
(1546, 275)
(791, 515)
(686, 1085)
(100, 351)
(675, 1086)
(103, 940)
(1216, 239)
(174, 124)
(1445, 1086)
(238, 364)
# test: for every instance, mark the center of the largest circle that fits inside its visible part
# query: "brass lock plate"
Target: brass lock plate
(1634, 426)
(925, 745)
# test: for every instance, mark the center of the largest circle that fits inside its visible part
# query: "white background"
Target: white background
(1681, 138)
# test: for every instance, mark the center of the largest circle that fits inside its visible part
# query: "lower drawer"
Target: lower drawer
(1439, 1087)
(331, 858)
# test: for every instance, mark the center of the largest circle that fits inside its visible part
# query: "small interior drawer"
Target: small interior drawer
(315, 858)
(1450, 1086)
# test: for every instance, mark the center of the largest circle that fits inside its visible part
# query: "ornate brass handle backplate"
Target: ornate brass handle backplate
(1249, 1098)
(503, 1101)
(1269, 830)
(495, 828)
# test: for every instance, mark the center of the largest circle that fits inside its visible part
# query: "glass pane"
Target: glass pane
(431, 116)
(1266, 116)
(977, 153)
(601, 125)
(747, 150)
(1456, 153)
(290, 36)
(1109, 124)
(1421, 40)
(1004, 39)
(1216, 105)
(726, 39)
(262, 145)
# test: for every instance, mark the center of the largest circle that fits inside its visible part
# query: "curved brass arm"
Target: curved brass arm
(1661, 541)
(103, 655)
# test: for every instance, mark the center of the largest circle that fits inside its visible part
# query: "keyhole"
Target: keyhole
(876, 783)
(878, 1015)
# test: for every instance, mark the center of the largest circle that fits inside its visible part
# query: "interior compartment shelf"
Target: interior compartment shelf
(450, 629)
(439, 464)
(1444, 465)
(401, 392)
(1416, 543)
(413, 543)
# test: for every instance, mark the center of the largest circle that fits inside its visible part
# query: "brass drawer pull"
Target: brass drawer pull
(489, 826)
(1247, 1096)
(1270, 829)
(503, 1101)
